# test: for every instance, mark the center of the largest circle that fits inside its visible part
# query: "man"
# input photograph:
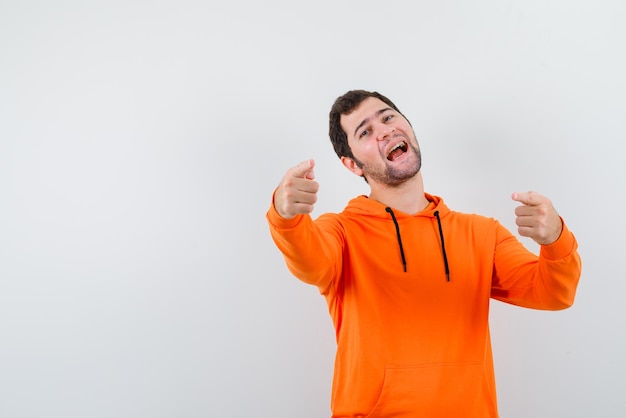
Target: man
(407, 280)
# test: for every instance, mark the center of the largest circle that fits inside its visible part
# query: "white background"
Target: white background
(140, 142)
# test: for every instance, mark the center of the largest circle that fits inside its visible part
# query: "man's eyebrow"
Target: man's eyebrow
(378, 113)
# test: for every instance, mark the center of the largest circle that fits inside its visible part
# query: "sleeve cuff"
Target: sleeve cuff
(278, 221)
(562, 247)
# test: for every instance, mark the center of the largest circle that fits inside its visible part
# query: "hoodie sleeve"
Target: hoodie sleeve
(547, 281)
(312, 249)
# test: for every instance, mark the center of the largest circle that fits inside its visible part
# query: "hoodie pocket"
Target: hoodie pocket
(435, 390)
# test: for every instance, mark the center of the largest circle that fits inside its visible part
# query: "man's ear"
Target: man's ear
(351, 165)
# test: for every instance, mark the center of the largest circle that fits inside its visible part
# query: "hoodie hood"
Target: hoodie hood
(435, 211)
(362, 205)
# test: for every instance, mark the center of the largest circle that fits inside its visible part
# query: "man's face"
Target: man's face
(383, 143)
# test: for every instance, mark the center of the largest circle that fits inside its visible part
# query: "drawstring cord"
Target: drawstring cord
(395, 222)
(443, 246)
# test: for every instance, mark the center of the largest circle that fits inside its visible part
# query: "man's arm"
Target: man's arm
(520, 277)
(312, 250)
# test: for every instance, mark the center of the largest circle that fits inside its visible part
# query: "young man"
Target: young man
(407, 280)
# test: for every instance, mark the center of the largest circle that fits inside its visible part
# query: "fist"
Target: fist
(536, 218)
(297, 192)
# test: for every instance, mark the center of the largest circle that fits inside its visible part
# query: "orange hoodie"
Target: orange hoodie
(416, 342)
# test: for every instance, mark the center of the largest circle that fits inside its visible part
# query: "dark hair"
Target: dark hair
(344, 105)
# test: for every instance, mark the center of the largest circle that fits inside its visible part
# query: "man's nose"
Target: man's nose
(385, 131)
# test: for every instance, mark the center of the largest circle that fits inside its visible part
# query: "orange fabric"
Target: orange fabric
(412, 343)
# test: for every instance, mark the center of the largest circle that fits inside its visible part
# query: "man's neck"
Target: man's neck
(408, 197)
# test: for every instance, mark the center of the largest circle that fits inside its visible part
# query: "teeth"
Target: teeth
(398, 145)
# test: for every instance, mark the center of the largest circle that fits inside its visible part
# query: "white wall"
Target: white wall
(140, 143)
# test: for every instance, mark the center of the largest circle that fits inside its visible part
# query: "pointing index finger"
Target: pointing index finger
(304, 169)
(527, 198)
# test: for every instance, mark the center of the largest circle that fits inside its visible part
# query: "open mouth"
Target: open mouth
(399, 149)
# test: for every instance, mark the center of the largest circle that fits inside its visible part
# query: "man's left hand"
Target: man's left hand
(536, 218)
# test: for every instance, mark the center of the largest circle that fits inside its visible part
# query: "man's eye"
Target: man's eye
(363, 133)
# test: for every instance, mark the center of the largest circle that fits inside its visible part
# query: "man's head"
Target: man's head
(373, 139)
(345, 105)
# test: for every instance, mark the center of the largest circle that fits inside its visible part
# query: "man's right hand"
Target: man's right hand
(297, 192)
